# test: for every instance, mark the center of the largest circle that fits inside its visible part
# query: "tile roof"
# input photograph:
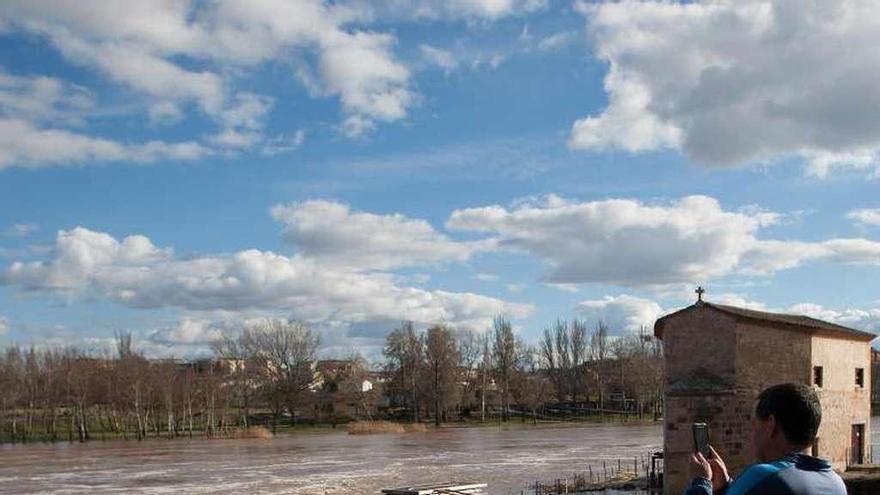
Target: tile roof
(802, 322)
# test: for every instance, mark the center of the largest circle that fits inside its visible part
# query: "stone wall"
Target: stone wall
(701, 338)
(767, 355)
(729, 417)
(843, 403)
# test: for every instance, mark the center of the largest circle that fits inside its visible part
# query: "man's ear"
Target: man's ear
(773, 426)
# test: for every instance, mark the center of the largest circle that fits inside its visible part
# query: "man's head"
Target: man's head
(787, 419)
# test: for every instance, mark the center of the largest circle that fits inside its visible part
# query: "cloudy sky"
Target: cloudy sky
(179, 168)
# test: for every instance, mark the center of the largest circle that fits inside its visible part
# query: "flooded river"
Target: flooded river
(323, 463)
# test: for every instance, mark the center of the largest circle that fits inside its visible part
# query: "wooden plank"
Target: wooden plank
(439, 489)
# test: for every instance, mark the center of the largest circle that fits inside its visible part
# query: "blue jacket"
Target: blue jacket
(795, 474)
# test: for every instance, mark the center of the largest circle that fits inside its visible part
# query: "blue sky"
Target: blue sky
(181, 169)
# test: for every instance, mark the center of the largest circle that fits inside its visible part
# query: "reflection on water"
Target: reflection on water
(323, 463)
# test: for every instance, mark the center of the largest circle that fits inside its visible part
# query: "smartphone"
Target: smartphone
(701, 439)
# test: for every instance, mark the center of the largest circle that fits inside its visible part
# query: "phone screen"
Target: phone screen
(701, 439)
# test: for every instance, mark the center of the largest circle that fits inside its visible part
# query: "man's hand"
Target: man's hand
(700, 467)
(719, 475)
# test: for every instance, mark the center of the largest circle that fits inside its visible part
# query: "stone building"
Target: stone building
(875, 382)
(718, 358)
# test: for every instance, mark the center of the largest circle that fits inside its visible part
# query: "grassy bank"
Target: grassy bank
(261, 429)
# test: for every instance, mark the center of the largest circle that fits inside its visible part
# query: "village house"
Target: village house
(344, 390)
(718, 358)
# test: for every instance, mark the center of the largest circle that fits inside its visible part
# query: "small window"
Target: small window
(860, 377)
(817, 376)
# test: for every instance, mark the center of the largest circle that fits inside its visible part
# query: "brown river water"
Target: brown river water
(326, 463)
(508, 459)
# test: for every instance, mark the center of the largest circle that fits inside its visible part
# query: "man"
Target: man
(786, 420)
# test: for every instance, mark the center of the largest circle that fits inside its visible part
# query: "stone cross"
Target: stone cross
(700, 290)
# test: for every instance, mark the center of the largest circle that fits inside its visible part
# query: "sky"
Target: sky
(181, 169)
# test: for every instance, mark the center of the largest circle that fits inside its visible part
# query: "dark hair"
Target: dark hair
(796, 409)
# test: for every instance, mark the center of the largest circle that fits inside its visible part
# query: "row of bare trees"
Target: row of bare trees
(269, 374)
(441, 371)
(56, 394)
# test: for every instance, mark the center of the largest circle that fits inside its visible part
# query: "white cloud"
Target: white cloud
(283, 144)
(766, 257)
(628, 314)
(865, 216)
(231, 138)
(356, 126)
(860, 319)
(439, 57)
(738, 300)
(154, 48)
(22, 144)
(143, 69)
(28, 104)
(572, 288)
(486, 277)
(714, 79)
(621, 241)
(467, 10)
(188, 331)
(246, 111)
(165, 112)
(514, 288)
(21, 230)
(135, 273)
(332, 233)
(43, 99)
(629, 243)
(4, 325)
(556, 41)
(371, 84)
(623, 314)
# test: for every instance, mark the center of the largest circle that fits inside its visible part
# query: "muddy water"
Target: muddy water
(326, 463)
(323, 463)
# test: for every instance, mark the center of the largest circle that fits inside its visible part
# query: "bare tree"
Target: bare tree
(504, 356)
(579, 352)
(442, 358)
(485, 371)
(599, 354)
(405, 356)
(285, 353)
(529, 387)
(244, 372)
(469, 346)
(640, 365)
(555, 351)
(12, 381)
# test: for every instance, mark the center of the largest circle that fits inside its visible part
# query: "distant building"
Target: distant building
(344, 390)
(212, 365)
(718, 358)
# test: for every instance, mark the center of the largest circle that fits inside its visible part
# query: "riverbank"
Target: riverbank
(262, 429)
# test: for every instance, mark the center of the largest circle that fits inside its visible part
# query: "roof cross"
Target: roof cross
(700, 290)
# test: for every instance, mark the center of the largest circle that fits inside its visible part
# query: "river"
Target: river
(326, 463)
(323, 463)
